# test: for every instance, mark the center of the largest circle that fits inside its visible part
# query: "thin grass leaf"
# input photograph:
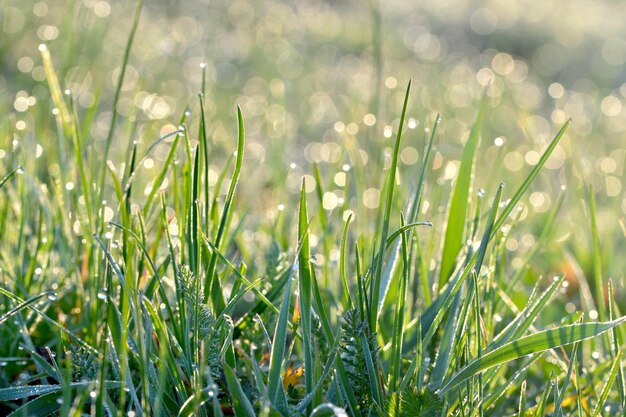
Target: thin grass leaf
(277, 355)
(26, 304)
(529, 179)
(607, 386)
(534, 343)
(211, 283)
(305, 289)
(241, 404)
(14, 171)
(17, 393)
(118, 92)
(558, 410)
(455, 225)
(379, 285)
(596, 258)
(42, 406)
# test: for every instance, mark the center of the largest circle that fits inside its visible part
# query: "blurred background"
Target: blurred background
(323, 81)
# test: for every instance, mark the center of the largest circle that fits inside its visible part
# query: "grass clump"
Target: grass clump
(119, 303)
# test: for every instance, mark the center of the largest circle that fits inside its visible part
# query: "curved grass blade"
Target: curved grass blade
(54, 323)
(42, 406)
(17, 393)
(534, 343)
(25, 304)
(10, 174)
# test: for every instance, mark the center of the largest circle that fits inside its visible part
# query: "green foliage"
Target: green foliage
(185, 291)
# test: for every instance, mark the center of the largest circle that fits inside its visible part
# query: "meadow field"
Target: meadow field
(312, 208)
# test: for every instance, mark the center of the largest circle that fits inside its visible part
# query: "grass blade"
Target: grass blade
(379, 285)
(607, 386)
(241, 404)
(537, 342)
(457, 214)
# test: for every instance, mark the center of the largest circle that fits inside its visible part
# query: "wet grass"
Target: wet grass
(179, 298)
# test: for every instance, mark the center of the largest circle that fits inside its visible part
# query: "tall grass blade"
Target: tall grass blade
(378, 285)
(607, 386)
(457, 213)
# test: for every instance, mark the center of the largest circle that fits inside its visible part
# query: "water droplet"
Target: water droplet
(20, 170)
(187, 113)
(59, 400)
(103, 293)
(115, 244)
(481, 192)
(3, 363)
(93, 394)
(52, 296)
(202, 65)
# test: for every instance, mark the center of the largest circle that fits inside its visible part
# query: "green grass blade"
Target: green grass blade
(534, 343)
(211, 280)
(378, 284)
(42, 406)
(398, 326)
(7, 177)
(558, 409)
(305, 288)
(118, 93)
(25, 304)
(277, 355)
(596, 258)
(521, 411)
(347, 298)
(241, 404)
(529, 179)
(607, 386)
(457, 214)
(17, 393)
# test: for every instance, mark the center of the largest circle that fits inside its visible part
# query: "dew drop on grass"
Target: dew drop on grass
(102, 293)
(59, 400)
(115, 244)
(3, 363)
(20, 170)
(93, 394)
(52, 296)
(131, 413)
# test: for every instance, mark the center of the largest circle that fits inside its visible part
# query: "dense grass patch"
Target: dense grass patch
(128, 294)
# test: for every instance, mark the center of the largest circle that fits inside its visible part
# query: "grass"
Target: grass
(118, 302)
